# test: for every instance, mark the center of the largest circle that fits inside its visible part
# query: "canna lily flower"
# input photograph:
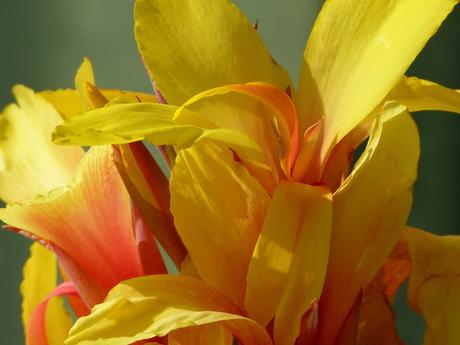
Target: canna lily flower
(285, 240)
(261, 190)
(77, 209)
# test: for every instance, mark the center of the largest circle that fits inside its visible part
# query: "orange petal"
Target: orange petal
(90, 222)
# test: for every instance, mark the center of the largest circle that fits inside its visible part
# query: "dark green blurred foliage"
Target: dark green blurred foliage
(43, 42)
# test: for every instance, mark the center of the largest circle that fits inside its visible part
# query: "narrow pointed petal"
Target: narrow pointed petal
(357, 52)
(85, 76)
(375, 207)
(434, 284)
(291, 208)
(418, 94)
(151, 306)
(309, 263)
(41, 320)
(149, 188)
(218, 210)
(184, 43)
(90, 221)
(40, 279)
(30, 164)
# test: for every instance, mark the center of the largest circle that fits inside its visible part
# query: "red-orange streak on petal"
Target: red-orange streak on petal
(36, 327)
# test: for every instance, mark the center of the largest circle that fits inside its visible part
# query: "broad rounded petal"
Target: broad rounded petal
(375, 206)
(30, 164)
(218, 210)
(192, 46)
(291, 209)
(434, 285)
(151, 306)
(40, 279)
(309, 263)
(418, 94)
(357, 51)
(90, 221)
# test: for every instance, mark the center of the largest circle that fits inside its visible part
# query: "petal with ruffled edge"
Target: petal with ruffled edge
(192, 46)
(375, 207)
(146, 307)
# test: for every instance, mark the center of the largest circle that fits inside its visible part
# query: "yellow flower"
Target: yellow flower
(284, 243)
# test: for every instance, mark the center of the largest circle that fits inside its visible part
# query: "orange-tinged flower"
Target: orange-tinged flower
(286, 241)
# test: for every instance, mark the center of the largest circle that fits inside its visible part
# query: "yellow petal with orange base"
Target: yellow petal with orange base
(434, 285)
(30, 164)
(151, 306)
(370, 211)
(218, 210)
(40, 279)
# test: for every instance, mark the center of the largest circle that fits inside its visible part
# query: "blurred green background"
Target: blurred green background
(43, 42)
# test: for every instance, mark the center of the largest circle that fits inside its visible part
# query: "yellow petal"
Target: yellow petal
(418, 94)
(357, 51)
(291, 209)
(375, 206)
(30, 164)
(40, 279)
(309, 263)
(185, 44)
(218, 210)
(151, 306)
(434, 285)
